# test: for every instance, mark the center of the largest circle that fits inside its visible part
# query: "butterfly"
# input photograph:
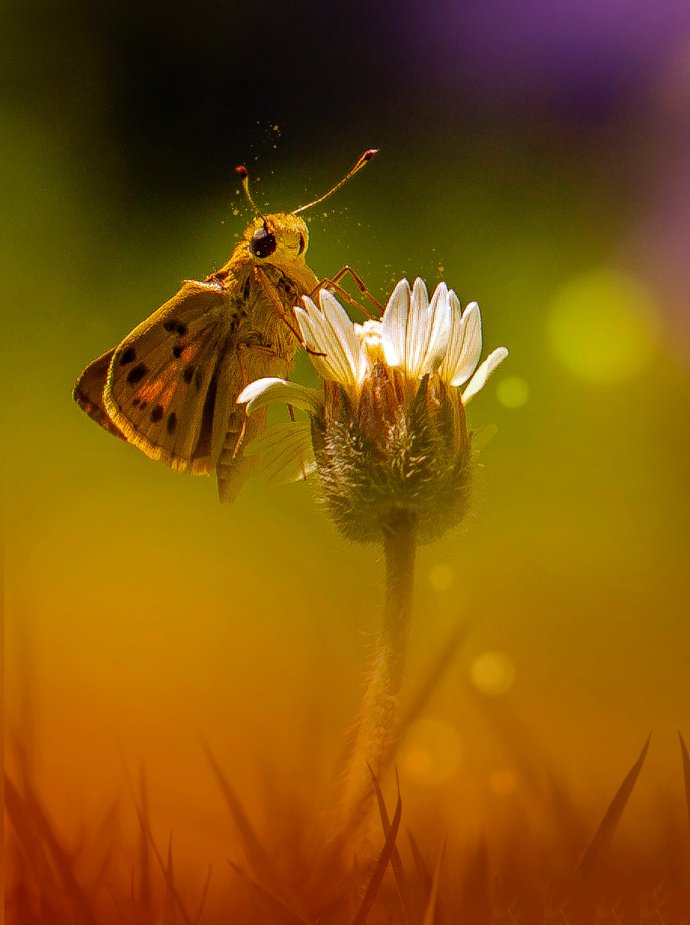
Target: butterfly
(169, 388)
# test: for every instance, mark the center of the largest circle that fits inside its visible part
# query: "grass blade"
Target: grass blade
(686, 772)
(170, 915)
(145, 894)
(204, 895)
(605, 832)
(288, 915)
(535, 768)
(433, 677)
(61, 858)
(423, 874)
(170, 886)
(258, 859)
(430, 913)
(477, 904)
(377, 874)
(396, 861)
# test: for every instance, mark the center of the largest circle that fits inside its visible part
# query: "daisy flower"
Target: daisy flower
(387, 430)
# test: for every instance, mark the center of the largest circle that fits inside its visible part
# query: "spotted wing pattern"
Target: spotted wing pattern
(163, 386)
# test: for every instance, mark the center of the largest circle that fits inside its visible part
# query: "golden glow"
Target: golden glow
(441, 577)
(431, 752)
(502, 782)
(512, 392)
(603, 326)
(492, 673)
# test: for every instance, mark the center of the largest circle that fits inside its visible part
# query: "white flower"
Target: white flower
(388, 428)
(416, 336)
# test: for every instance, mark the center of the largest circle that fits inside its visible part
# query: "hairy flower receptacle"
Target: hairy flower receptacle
(403, 446)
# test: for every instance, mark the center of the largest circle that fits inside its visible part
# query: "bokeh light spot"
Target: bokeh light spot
(603, 326)
(502, 782)
(492, 673)
(431, 752)
(418, 762)
(512, 392)
(441, 577)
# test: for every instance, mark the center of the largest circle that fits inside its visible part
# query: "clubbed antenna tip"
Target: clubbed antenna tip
(356, 167)
(242, 171)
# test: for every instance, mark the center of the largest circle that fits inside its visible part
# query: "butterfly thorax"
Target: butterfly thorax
(265, 278)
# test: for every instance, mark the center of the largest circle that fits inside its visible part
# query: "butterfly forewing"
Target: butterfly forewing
(162, 388)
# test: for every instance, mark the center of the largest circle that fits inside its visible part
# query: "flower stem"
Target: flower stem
(375, 731)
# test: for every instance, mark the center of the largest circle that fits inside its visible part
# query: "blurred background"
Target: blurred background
(536, 156)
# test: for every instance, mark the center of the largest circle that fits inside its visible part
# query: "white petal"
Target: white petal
(344, 330)
(420, 297)
(438, 331)
(417, 331)
(465, 346)
(394, 324)
(478, 381)
(332, 333)
(285, 451)
(454, 346)
(264, 392)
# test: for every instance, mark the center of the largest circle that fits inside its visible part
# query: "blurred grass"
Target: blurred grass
(283, 874)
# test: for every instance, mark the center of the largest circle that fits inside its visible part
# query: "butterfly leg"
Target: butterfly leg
(270, 293)
(332, 283)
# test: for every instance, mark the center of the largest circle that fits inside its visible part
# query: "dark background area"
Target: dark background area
(168, 96)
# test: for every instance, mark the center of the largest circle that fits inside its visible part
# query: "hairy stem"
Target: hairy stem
(375, 732)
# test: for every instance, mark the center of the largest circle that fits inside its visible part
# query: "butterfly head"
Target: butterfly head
(280, 239)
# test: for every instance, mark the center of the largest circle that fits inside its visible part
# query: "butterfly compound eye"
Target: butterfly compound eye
(263, 243)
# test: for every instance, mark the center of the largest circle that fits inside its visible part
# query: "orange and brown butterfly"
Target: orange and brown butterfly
(169, 388)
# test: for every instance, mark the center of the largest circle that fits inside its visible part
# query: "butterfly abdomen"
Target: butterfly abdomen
(263, 345)
(232, 467)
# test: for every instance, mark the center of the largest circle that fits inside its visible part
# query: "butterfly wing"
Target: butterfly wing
(163, 391)
(88, 392)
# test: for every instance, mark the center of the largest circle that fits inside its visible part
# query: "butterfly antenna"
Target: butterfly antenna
(244, 174)
(356, 167)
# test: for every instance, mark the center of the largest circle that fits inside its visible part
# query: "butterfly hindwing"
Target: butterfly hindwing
(163, 389)
(88, 392)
